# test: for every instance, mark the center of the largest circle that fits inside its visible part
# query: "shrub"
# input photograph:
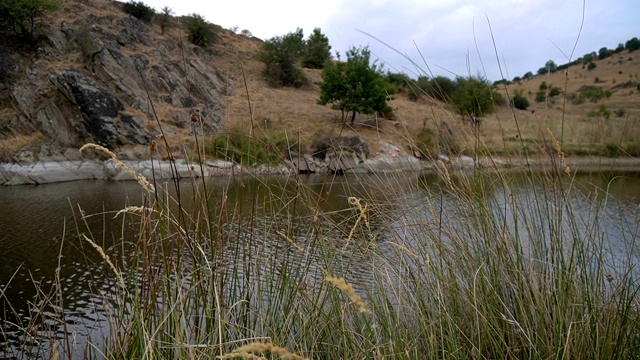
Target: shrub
(165, 19)
(520, 102)
(318, 50)
(24, 17)
(544, 86)
(280, 55)
(554, 91)
(239, 148)
(426, 143)
(591, 66)
(201, 33)
(541, 96)
(139, 10)
(474, 97)
(441, 88)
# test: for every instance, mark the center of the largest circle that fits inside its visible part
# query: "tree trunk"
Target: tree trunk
(353, 118)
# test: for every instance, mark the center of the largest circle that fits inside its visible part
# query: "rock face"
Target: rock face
(94, 78)
(100, 110)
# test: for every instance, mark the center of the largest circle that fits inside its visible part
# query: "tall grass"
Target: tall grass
(472, 268)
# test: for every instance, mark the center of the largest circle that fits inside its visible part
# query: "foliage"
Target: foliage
(519, 101)
(474, 96)
(541, 96)
(201, 32)
(632, 44)
(591, 66)
(318, 50)
(543, 86)
(280, 55)
(165, 18)
(426, 143)
(237, 147)
(355, 86)
(602, 111)
(24, 17)
(139, 10)
(528, 75)
(439, 87)
(604, 53)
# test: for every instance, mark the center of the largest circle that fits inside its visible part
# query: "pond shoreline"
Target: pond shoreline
(63, 171)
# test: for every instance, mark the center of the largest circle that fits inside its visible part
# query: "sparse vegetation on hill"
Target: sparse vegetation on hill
(201, 32)
(422, 103)
(25, 17)
(139, 9)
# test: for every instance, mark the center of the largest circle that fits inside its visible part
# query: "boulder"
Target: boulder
(304, 164)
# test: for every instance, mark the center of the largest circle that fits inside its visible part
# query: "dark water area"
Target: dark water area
(44, 259)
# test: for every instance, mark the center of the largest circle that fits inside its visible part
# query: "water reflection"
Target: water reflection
(41, 228)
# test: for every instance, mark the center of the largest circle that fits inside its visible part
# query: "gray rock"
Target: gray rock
(100, 109)
(305, 164)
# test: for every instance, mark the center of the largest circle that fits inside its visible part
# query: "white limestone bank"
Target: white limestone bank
(52, 172)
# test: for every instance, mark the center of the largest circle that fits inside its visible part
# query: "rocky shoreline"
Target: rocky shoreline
(62, 171)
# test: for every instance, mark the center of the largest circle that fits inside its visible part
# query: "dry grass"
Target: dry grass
(296, 110)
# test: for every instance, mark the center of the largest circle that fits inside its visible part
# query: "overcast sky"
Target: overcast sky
(444, 37)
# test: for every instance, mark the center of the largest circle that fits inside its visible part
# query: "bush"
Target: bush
(541, 96)
(474, 97)
(520, 102)
(554, 91)
(591, 66)
(237, 147)
(441, 88)
(318, 50)
(139, 10)
(426, 143)
(24, 17)
(280, 55)
(165, 19)
(201, 33)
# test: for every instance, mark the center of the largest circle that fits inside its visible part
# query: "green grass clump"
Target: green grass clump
(237, 147)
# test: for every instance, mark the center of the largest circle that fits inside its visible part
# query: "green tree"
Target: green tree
(201, 33)
(474, 97)
(24, 17)
(165, 18)
(441, 88)
(632, 44)
(604, 53)
(139, 10)
(280, 55)
(551, 66)
(318, 50)
(355, 86)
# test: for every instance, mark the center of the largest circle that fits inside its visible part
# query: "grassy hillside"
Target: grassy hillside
(608, 126)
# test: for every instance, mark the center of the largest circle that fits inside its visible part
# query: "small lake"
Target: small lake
(42, 248)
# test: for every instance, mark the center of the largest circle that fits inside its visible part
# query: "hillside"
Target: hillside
(154, 74)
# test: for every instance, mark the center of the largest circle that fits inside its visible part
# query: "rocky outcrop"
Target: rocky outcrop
(94, 79)
(100, 110)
